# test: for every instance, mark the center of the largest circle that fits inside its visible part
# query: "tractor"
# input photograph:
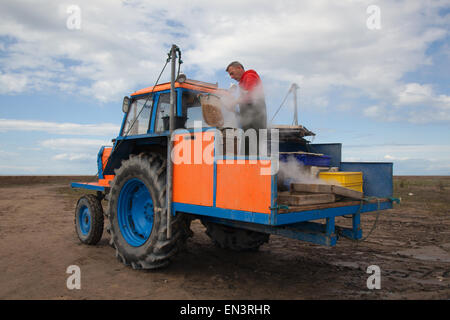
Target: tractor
(155, 183)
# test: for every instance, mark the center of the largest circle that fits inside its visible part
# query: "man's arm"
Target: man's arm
(247, 84)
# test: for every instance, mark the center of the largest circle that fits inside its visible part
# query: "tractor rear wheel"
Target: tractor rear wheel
(89, 219)
(138, 215)
(235, 238)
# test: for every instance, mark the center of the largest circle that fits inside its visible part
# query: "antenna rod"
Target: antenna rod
(294, 91)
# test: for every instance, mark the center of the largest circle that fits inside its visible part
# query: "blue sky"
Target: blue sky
(384, 93)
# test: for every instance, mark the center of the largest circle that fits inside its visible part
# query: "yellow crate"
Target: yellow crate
(351, 180)
(356, 186)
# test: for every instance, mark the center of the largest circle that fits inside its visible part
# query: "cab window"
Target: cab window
(192, 108)
(163, 112)
(138, 117)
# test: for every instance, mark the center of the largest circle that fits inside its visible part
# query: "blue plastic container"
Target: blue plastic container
(307, 159)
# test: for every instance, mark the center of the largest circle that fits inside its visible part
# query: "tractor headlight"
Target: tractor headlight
(181, 78)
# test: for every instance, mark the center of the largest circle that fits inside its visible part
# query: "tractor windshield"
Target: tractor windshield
(138, 117)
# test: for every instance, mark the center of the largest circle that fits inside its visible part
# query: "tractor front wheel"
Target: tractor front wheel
(89, 219)
(138, 215)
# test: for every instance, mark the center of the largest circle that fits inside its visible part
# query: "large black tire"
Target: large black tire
(235, 238)
(89, 219)
(157, 250)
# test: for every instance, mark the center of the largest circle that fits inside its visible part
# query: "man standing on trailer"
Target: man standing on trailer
(252, 106)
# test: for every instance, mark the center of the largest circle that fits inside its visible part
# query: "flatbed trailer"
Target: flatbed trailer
(232, 192)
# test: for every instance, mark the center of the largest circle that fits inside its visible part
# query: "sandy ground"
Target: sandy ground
(411, 245)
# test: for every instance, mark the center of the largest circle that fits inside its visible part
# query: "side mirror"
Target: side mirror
(126, 104)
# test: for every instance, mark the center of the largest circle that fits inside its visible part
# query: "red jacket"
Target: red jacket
(252, 108)
(249, 80)
(251, 86)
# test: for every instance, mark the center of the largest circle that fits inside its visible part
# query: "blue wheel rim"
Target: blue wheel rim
(135, 212)
(84, 220)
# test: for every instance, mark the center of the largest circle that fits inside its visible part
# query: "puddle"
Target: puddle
(428, 253)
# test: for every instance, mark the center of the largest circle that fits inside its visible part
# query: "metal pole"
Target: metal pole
(294, 90)
(173, 56)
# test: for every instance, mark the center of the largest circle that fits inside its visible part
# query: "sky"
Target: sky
(373, 75)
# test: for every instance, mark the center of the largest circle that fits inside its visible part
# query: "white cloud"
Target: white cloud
(412, 150)
(374, 111)
(407, 159)
(74, 157)
(12, 170)
(324, 46)
(12, 83)
(101, 129)
(7, 154)
(73, 144)
(53, 157)
(413, 102)
(73, 150)
(388, 157)
(413, 93)
(50, 155)
(102, 59)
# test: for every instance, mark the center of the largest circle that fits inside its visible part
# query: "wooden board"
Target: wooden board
(304, 199)
(312, 188)
(326, 188)
(346, 192)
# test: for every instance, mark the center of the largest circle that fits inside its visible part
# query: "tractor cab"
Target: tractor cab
(147, 110)
(145, 123)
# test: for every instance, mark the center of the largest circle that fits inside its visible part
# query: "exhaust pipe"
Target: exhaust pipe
(169, 186)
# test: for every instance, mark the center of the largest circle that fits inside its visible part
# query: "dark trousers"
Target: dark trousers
(253, 116)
